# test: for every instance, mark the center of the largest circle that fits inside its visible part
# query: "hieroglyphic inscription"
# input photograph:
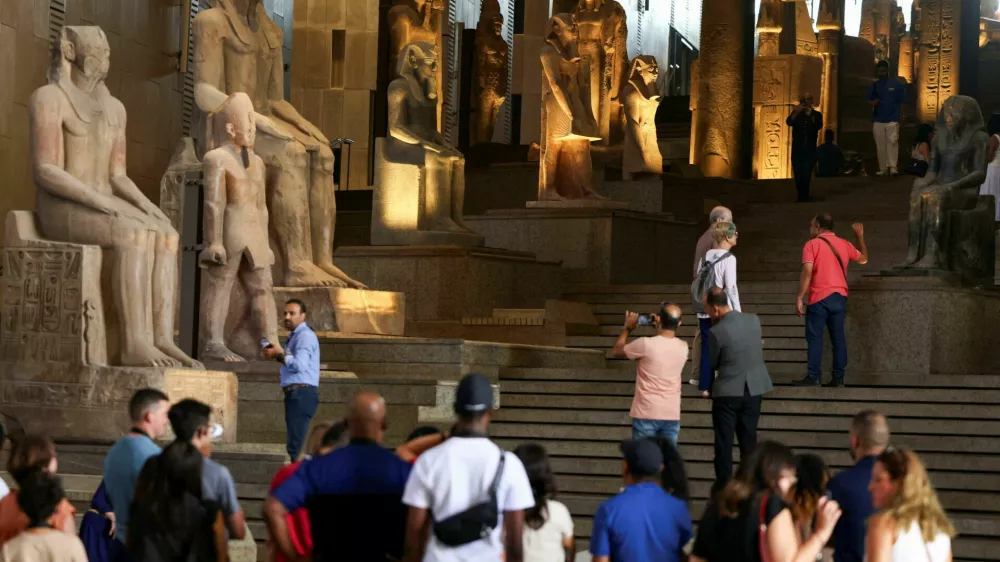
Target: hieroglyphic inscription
(939, 52)
(772, 96)
(207, 387)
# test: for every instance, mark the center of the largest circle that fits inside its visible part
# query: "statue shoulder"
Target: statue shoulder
(400, 12)
(210, 19)
(48, 95)
(398, 89)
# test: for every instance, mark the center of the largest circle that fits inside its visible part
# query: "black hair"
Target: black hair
(334, 435)
(716, 297)
(668, 322)
(34, 452)
(993, 125)
(824, 221)
(187, 416)
(163, 492)
(924, 132)
(674, 476)
(301, 305)
(142, 401)
(882, 64)
(829, 135)
(39, 495)
(422, 431)
(812, 477)
(759, 471)
(543, 485)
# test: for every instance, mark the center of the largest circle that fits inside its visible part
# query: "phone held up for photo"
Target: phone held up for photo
(646, 320)
(264, 344)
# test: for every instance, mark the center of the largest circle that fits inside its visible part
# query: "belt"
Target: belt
(291, 387)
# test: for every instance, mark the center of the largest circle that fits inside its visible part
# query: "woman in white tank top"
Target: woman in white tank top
(991, 185)
(910, 525)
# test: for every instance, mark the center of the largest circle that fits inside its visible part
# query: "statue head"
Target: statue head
(419, 62)
(80, 51)
(490, 18)
(958, 115)
(235, 121)
(563, 30)
(645, 70)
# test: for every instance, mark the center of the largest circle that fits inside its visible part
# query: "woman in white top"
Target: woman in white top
(910, 525)
(723, 276)
(548, 527)
(991, 185)
(922, 144)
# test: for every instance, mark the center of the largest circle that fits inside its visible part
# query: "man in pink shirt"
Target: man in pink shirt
(656, 407)
(822, 294)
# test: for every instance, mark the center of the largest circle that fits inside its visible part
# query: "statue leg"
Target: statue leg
(548, 190)
(323, 216)
(915, 227)
(217, 284)
(260, 292)
(935, 238)
(437, 196)
(164, 301)
(458, 194)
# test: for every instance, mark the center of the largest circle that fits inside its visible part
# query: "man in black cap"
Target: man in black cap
(451, 483)
(646, 522)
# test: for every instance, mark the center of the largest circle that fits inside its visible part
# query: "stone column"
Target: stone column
(695, 148)
(830, 23)
(906, 58)
(940, 51)
(769, 28)
(797, 35)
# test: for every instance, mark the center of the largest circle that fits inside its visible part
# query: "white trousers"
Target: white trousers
(887, 141)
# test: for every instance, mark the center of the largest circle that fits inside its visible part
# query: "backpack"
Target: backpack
(703, 282)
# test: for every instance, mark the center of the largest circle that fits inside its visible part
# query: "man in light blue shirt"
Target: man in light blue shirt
(299, 375)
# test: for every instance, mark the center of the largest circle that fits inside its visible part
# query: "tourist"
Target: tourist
(705, 243)
(806, 123)
(920, 158)
(148, 411)
(39, 496)
(811, 478)
(299, 375)
(4, 489)
(642, 522)
(869, 436)
(991, 186)
(829, 157)
(718, 269)
(548, 526)
(169, 518)
(323, 438)
(190, 421)
(753, 506)
(674, 475)
(32, 454)
(346, 492)
(419, 440)
(910, 524)
(467, 496)
(886, 95)
(737, 352)
(656, 406)
(824, 281)
(97, 530)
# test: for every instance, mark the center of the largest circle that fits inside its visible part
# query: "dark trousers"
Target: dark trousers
(829, 312)
(731, 417)
(705, 371)
(300, 407)
(802, 169)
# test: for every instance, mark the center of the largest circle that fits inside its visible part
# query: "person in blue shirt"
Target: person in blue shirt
(643, 522)
(299, 375)
(886, 95)
(869, 438)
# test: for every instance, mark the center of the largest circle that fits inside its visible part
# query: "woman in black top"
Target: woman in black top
(730, 530)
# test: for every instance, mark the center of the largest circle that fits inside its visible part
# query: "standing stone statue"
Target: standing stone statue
(85, 197)
(240, 50)
(568, 125)
(640, 98)
(603, 36)
(235, 231)
(957, 169)
(411, 21)
(489, 75)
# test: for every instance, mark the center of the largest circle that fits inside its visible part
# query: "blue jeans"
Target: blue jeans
(300, 407)
(829, 312)
(706, 374)
(643, 429)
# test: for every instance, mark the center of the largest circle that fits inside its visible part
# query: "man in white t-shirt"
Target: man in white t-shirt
(457, 475)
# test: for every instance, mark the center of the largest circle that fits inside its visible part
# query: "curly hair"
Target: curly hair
(915, 499)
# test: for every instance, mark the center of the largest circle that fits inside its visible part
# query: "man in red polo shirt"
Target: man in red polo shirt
(824, 280)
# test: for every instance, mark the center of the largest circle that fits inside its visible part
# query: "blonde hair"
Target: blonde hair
(915, 500)
(314, 441)
(723, 230)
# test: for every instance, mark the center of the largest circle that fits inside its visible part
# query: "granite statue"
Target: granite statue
(84, 196)
(640, 99)
(568, 125)
(234, 232)
(602, 39)
(239, 49)
(489, 74)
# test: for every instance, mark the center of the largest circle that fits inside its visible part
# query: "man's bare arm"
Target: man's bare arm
(277, 526)
(805, 278)
(513, 526)
(417, 524)
(236, 524)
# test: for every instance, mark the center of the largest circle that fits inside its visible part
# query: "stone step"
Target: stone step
(786, 308)
(606, 341)
(689, 327)
(748, 288)
(615, 318)
(683, 298)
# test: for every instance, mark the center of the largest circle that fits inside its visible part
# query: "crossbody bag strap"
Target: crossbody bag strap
(836, 254)
(495, 485)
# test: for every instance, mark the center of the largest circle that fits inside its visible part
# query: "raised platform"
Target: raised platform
(349, 310)
(644, 194)
(577, 204)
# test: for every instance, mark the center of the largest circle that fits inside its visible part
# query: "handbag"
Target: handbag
(475, 523)
(917, 167)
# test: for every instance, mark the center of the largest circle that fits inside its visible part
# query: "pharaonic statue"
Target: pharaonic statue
(489, 75)
(411, 21)
(603, 36)
(238, 49)
(235, 231)
(640, 98)
(85, 197)
(957, 169)
(568, 125)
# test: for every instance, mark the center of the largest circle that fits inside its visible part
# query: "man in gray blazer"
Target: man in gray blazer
(741, 380)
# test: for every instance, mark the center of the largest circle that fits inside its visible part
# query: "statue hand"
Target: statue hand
(155, 212)
(432, 147)
(266, 126)
(215, 254)
(314, 132)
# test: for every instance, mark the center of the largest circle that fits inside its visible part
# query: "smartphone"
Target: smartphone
(646, 320)
(264, 344)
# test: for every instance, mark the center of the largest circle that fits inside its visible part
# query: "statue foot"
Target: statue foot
(171, 350)
(217, 351)
(146, 355)
(306, 274)
(550, 195)
(591, 194)
(337, 273)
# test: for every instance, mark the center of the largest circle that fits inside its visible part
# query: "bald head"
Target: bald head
(869, 433)
(720, 214)
(670, 316)
(366, 416)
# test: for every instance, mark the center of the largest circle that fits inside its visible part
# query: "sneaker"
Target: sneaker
(693, 382)
(893, 172)
(807, 381)
(835, 383)
(882, 173)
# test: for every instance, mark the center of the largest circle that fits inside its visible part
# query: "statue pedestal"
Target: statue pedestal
(921, 325)
(348, 310)
(577, 204)
(73, 401)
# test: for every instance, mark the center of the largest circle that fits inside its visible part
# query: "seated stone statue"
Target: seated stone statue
(957, 169)
(85, 197)
(235, 232)
(640, 98)
(419, 179)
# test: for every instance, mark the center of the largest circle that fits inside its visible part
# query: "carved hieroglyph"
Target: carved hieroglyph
(232, 56)
(779, 82)
(419, 178)
(84, 197)
(603, 34)
(938, 74)
(412, 21)
(640, 98)
(235, 233)
(489, 74)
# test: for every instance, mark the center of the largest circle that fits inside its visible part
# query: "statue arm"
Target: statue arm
(551, 75)
(398, 128)
(209, 63)
(215, 201)
(121, 184)
(633, 115)
(432, 9)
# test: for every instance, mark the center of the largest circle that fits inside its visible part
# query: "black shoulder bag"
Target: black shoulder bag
(475, 523)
